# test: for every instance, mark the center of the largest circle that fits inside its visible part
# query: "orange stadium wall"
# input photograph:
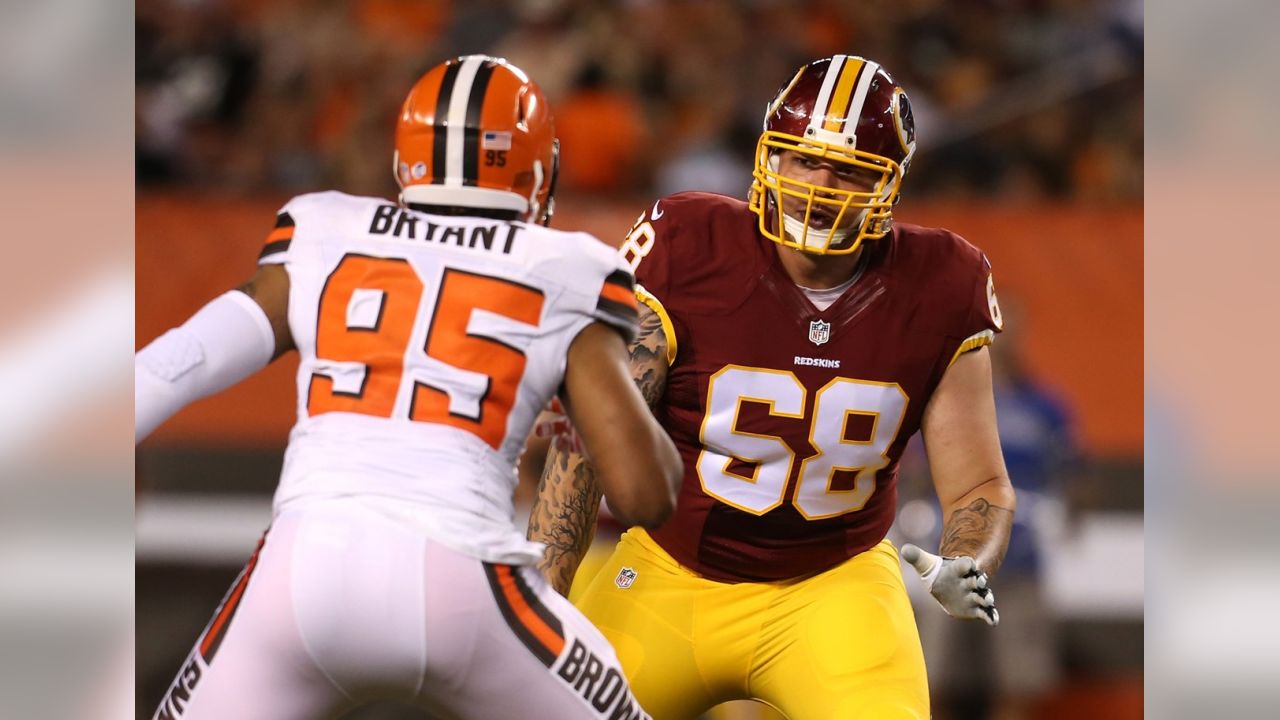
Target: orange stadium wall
(1076, 273)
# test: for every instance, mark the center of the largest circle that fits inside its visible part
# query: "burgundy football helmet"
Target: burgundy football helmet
(845, 112)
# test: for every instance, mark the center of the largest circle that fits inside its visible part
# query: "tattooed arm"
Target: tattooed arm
(568, 498)
(968, 468)
(564, 516)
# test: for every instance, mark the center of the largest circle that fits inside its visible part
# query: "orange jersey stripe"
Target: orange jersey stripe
(284, 233)
(619, 294)
(534, 624)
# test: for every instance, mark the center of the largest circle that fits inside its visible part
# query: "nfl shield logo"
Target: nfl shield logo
(819, 332)
(626, 576)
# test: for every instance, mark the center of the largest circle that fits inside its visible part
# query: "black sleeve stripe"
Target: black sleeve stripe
(284, 220)
(274, 248)
(617, 309)
(621, 278)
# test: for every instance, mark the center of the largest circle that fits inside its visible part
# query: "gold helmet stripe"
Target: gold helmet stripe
(840, 98)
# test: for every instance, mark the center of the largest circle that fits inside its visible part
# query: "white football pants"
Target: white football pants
(342, 606)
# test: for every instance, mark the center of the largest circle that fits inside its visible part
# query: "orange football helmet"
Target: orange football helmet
(846, 111)
(476, 132)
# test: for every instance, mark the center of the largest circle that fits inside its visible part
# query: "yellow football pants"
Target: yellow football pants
(838, 645)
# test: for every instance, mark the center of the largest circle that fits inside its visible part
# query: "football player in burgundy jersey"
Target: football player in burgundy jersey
(791, 345)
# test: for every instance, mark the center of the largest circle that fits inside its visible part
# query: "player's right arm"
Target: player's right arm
(568, 497)
(226, 341)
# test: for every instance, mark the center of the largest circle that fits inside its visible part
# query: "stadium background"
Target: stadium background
(1031, 145)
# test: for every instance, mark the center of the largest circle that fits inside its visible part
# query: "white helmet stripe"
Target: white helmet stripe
(824, 95)
(456, 119)
(860, 96)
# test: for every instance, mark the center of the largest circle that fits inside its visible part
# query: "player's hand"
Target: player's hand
(956, 583)
(555, 424)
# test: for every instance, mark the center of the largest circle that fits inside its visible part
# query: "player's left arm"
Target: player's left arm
(973, 489)
(968, 469)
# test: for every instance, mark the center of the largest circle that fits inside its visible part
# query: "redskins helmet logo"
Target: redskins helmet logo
(904, 121)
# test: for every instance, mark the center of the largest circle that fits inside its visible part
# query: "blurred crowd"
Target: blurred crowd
(1013, 98)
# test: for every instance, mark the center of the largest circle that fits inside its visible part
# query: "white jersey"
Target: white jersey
(428, 346)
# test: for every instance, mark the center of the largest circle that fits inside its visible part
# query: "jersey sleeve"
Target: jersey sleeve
(983, 319)
(647, 251)
(616, 304)
(275, 249)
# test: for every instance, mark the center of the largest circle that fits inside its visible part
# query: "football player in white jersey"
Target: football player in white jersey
(431, 332)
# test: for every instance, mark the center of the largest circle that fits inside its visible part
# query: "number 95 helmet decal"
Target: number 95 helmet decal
(845, 115)
(476, 132)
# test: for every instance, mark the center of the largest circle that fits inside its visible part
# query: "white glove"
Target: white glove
(956, 583)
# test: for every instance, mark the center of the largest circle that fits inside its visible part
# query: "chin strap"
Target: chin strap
(535, 210)
(811, 238)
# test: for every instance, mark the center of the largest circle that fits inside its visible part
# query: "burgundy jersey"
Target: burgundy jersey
(791, 420)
